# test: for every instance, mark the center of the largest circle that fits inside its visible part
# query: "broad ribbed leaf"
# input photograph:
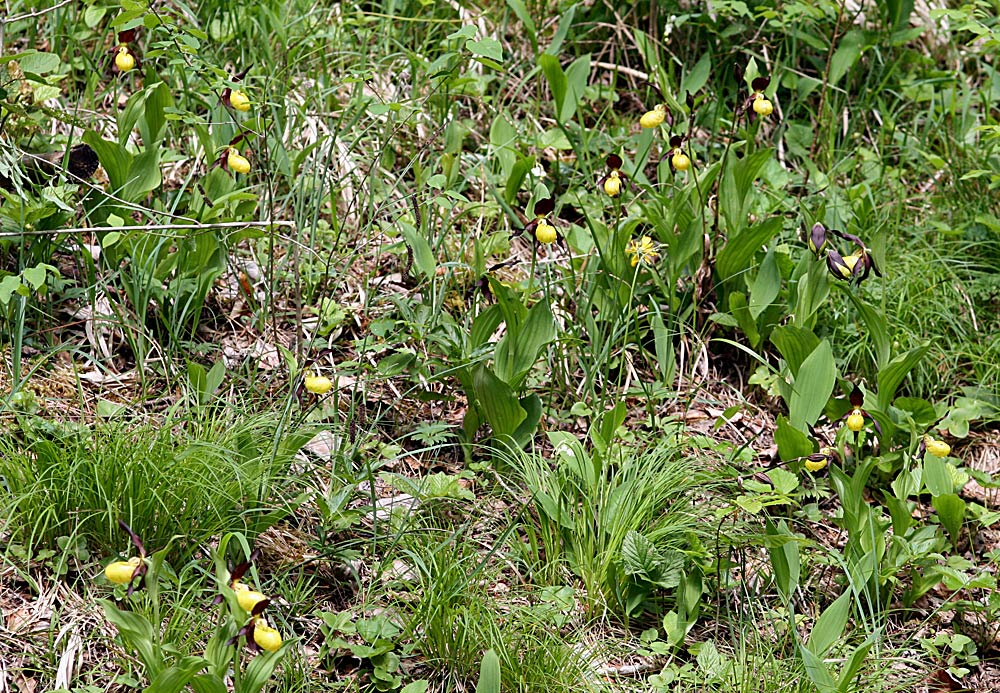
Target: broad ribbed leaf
(830, 625)
(812, 387)
(500, 406)
(489, 674)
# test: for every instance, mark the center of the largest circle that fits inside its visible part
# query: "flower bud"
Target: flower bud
(266, 637)
(817, 238)
(121, 572)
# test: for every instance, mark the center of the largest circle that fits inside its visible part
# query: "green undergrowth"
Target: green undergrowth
(542, 345)
(189, 478)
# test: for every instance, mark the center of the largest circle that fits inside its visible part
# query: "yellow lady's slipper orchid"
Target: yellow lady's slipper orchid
(654, 118)
(938, 448)
(236, 161)
(239, 100)
(762, 106)
(248, 598)
(680, 161)
(614, 181)
(814, 463)
(124, 60)
(856, 421)
(121, 572)
(318, 384)
(266, 637)
(545, 232)
(613, 184)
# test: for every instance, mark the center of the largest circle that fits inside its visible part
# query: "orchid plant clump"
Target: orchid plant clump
(240, 625)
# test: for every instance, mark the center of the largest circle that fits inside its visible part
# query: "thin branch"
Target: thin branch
(34, 13)
(638, 74)
(151, 227)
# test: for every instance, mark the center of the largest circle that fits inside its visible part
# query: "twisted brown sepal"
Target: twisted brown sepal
(139, 574)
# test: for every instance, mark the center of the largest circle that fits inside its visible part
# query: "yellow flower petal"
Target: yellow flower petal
(654, 118)
(938, 448)
(856, 421)
(124, 60)
(762, 106)
(120, 572)
(318, 384)
(237, 162)
(239, 100)
(814, 463)
(545, 232)
(265, 636)
(613, 185)
(247, 597)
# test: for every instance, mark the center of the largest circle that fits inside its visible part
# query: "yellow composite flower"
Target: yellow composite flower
(121, 572)
(642, 250)
(266, 637)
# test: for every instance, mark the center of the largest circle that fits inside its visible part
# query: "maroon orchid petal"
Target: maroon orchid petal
(871, 264)
(613, 161)
(259, 607)
(248, 628)
(241, 570)
(760, 83)
(861, 268)
(544, 207)
(134, 537)
(853, 239)
(857, 397)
